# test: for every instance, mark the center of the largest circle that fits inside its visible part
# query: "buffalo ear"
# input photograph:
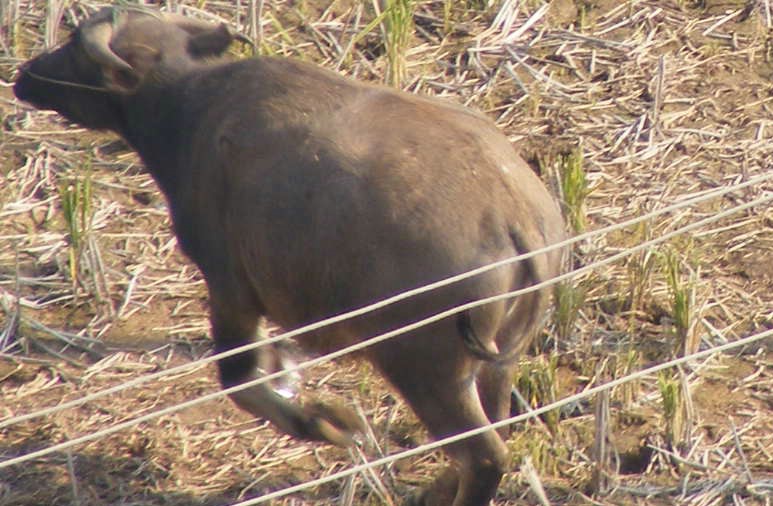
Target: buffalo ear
(121, 80)
(211, 42)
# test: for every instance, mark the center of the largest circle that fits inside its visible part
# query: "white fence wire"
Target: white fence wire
(533, 413)
(680, 203)
(355, 469)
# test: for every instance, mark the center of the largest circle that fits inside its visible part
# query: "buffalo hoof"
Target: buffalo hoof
(334, 423)
(440, 492)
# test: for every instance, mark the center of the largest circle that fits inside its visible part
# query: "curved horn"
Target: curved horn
(191, 25)
(196, 26)
(95, 35)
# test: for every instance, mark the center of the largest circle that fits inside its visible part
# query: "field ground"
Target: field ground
(650, 102)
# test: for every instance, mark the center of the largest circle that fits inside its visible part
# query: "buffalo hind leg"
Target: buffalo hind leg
(231, 329)
(495, 385)
(447, 404)
(479, 462)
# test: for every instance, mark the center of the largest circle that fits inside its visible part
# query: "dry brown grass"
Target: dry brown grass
(665, 99)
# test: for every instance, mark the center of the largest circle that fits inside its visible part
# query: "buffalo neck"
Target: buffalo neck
(153, 129)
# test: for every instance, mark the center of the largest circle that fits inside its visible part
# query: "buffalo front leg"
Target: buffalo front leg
(232, 329)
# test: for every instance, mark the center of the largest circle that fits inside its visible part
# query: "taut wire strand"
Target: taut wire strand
(380, 304)
(382, 337)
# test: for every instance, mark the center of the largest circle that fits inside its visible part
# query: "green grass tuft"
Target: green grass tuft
(398, 27)
(574, 188)
(681, 290)
(537, 382)
(76, 197)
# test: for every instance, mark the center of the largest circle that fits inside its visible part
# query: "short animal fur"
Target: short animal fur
(302, 194)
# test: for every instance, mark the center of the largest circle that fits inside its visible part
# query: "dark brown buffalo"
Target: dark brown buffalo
(301, 194)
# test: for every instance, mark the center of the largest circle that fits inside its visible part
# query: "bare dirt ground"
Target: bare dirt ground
(665, 100)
